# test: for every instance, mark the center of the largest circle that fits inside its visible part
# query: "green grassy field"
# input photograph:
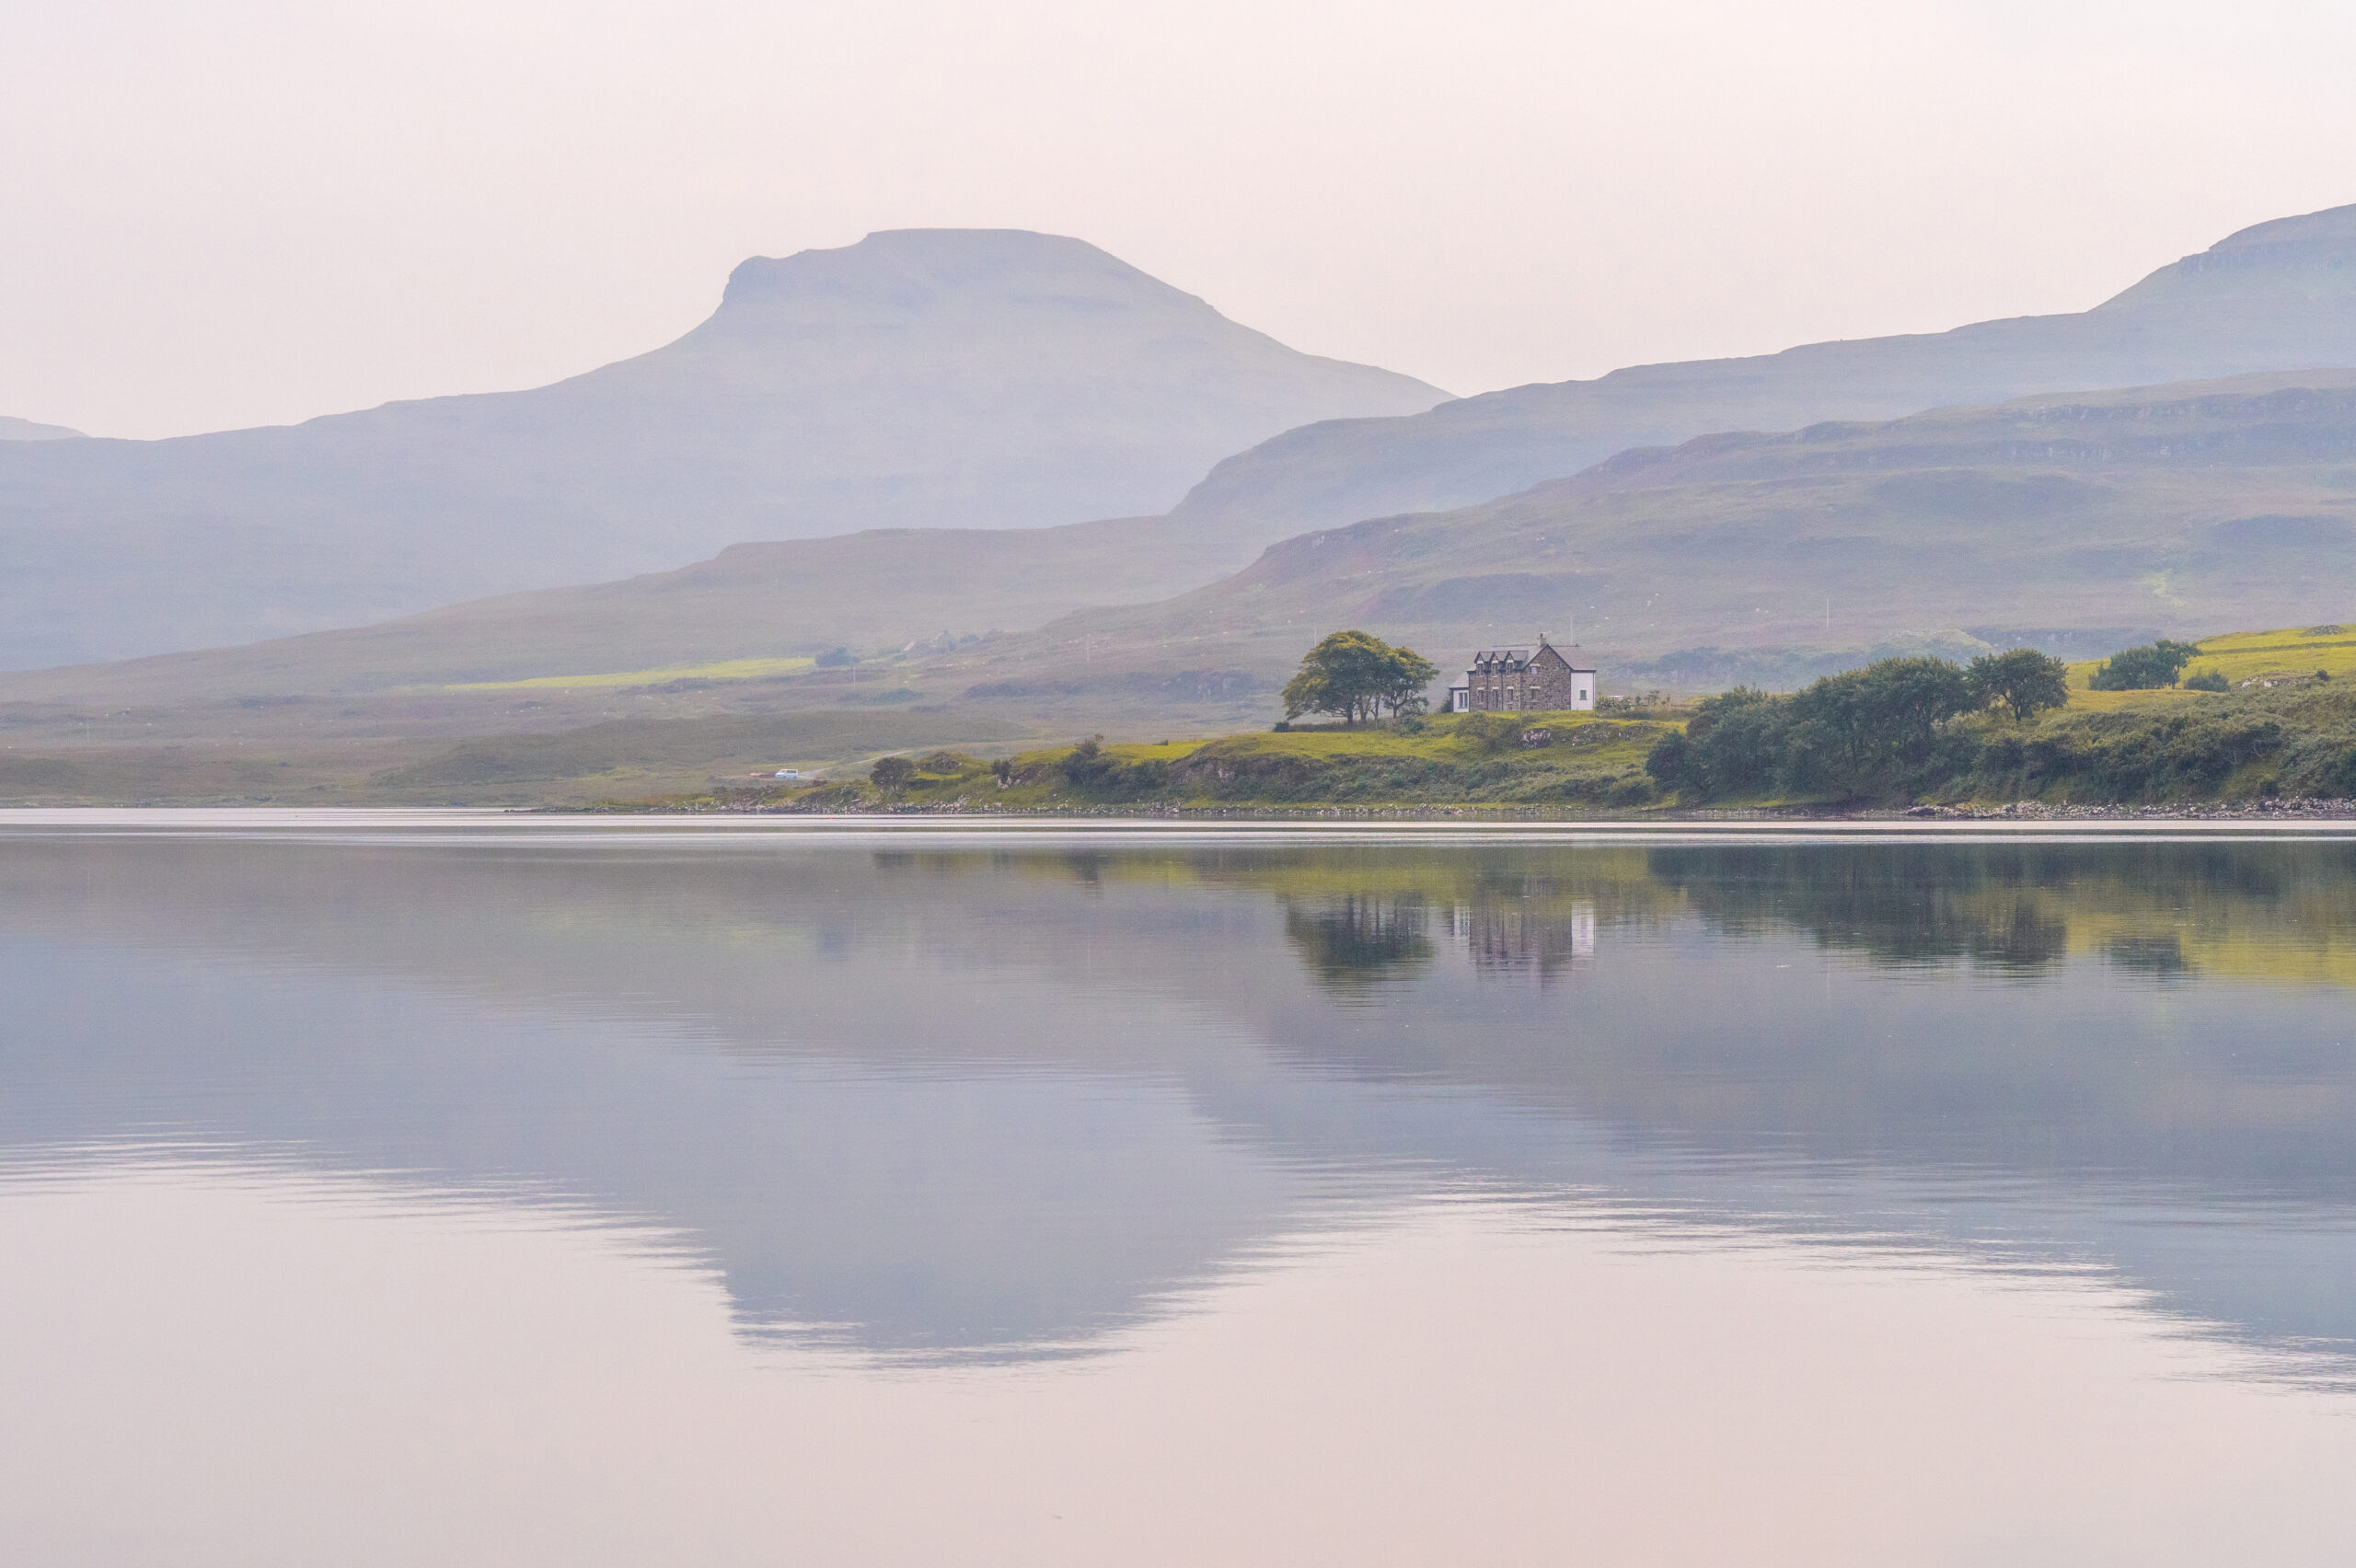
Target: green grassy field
(2287, 656)
(725, 670)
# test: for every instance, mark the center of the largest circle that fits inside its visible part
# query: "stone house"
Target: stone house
(1523, 680)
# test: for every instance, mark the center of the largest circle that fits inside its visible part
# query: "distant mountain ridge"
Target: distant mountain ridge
(976, 376)
(2278, 296)
(14, 429)
(938, 377)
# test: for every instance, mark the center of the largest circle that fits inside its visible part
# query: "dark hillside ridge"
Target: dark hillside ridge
(922, 377)
(2281, 296)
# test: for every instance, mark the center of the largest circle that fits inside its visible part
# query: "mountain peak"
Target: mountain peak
(901, 273)
(921, 379)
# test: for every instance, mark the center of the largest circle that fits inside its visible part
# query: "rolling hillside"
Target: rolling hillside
(936, 378)
(2280, 296)
(874, 591)
(2072, 523)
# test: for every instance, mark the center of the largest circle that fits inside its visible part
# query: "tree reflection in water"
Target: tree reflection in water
(1358, 941)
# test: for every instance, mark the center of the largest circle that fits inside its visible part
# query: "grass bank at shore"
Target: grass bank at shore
(1520, 762)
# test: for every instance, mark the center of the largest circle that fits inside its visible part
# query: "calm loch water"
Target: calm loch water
(457, 1189)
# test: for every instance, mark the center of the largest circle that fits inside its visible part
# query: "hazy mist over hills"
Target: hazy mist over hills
(2076, 522)
(2280, 296)
(2079, 516)
(952, 378)
(979, 378)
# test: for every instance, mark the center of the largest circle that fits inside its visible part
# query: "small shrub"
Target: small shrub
(1086, 762)
(830, 796)
(2207, 680)
(2340, 778)
(1633, 791)
(1490, 731)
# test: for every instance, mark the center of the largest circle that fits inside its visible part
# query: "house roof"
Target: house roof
(1517, 659)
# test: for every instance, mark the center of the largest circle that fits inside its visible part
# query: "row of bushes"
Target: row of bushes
(1858, 732)
(1481, 757)
(1894, 732)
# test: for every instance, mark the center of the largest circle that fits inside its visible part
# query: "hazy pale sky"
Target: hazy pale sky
(256, 211)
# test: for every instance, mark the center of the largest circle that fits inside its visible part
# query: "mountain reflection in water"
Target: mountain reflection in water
(987, 1099)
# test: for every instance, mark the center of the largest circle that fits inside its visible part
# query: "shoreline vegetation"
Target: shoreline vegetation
(2244, 725)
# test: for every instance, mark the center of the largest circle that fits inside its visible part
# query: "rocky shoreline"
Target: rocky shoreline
(2304, 810)
(2037, 810)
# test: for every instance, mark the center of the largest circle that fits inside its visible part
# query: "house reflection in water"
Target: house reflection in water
(1524, 937)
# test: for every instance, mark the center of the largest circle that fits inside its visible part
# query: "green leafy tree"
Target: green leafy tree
(1409, 673)
(891, 773)
(1734, 745)
(2147, 668)
(1847, 734)
(1355, 676)
(2021, 679)
(1850, 729)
